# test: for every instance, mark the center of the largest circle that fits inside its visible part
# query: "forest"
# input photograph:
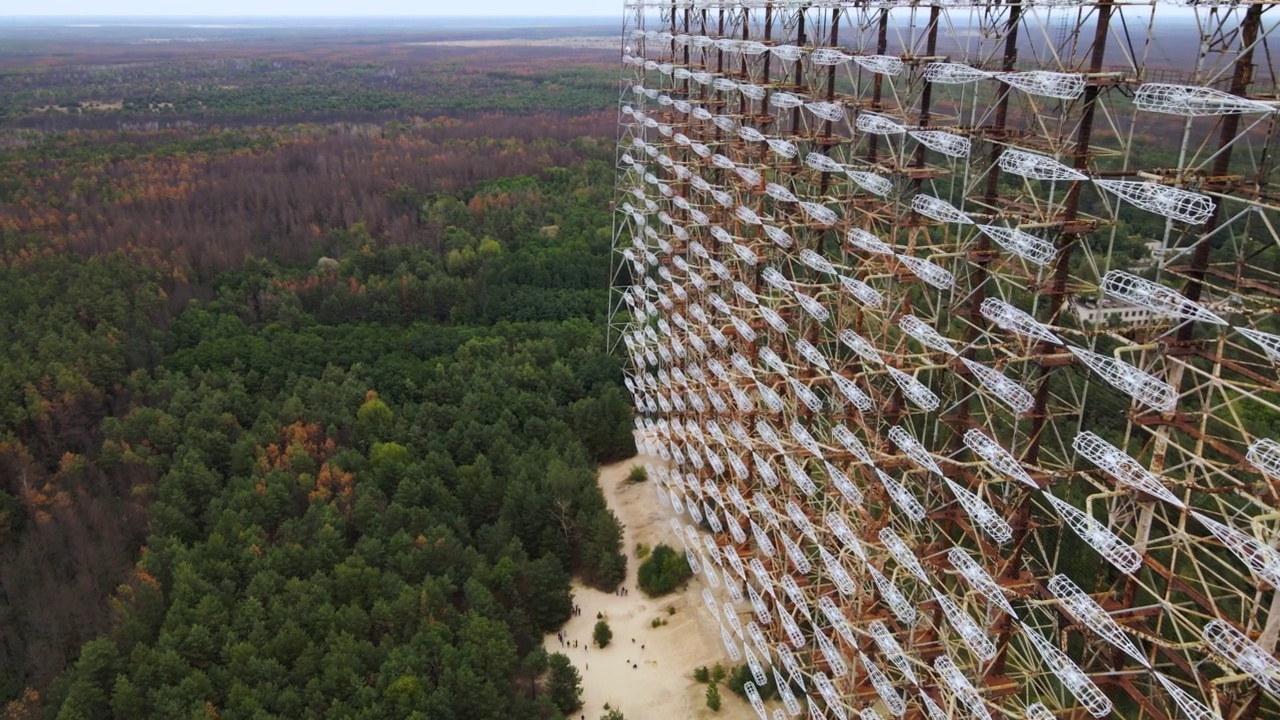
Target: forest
(304, 382)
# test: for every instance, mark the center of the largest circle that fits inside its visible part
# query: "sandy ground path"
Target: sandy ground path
(646, 672)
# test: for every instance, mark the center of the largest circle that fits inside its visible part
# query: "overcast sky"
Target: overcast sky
(314, 8)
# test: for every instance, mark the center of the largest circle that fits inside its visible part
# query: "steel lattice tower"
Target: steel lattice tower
(938, 447)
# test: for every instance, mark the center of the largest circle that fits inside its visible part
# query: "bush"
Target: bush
(663, 571)
(713, 697)
(602, 634)
(613, 714)
(637, 475)
(642, 551)
(702, 674)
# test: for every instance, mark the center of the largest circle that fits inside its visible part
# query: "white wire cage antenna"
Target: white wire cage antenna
(876, 124)
(819, 213)
(935, 712)
(1112, 548)
(766, 354)
(939, 209)
(773, 318)
(1122, 467)
(981, 513)
(841, 530)
(807, 396)
(850, 442)
(977, 577)
(843, 484)
(760, 606)
(806, 349)
(880, 64)
(1251, 658)
(815, 309)
(797, 557)
(1171, 202)
(902, 498)
(762, 540)
(750, 176)
(864, 240)
(1146, 389)
(790, 627)
(834, 660)
(778, 236)
(966, 628)
(1154, 296)
(837, 619)
(778, 192)
(750, 134)
(709, 600)
(946, 73)
(1262, 559)
(949, 144)
(960, 686)
(1191, 707)
(901, 552)
(829, 695)
(891, 649)
(1072, 677)
(1264, 454)
(790, 53)
(806, 441)
(888, 695)
(1083, 608)
(1037, 711)
(862, 292)
(729, 645)
(724, 84)
(753, 662)
(1194, 101)
(1015, 320)
(859, 345)
(797, 474)
(785, 100)
(1268, 342)
(828, 56)
(822, 163)
(870, 182)
(897, 602)
(925, 334)
(1064, 86)
(915, 391)
(844, 583)
(1036, 167)
(755, 92)
(913, 449)
(1001, 388)
(929, 272)
(782, 148)
(833, 112)
(852, 393)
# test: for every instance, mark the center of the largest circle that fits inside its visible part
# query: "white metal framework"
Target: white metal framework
(957, 328)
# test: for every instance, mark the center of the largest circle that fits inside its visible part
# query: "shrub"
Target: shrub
(602, 634)
(612, 714)
(713, 697)
(663, 571)
(642, 551)
(702, 674)
(637, 475)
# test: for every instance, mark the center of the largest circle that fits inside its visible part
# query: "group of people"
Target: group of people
(577, 611)
(621, 592)
(563, 637)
